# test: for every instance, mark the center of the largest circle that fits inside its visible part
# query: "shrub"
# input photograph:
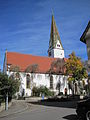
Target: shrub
(35, 91)
(42, 90)
(7, 84)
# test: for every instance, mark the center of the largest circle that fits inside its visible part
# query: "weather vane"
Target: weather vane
(52, 12)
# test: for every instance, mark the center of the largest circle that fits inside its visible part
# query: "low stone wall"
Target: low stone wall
(2, 106)
(34, 99)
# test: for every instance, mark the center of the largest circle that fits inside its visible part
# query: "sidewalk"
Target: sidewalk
(17, 106)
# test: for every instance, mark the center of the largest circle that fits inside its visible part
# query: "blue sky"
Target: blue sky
(25, 25)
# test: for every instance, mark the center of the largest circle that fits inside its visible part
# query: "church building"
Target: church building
(39, 75)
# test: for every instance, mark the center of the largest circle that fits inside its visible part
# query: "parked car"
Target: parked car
(83, 109)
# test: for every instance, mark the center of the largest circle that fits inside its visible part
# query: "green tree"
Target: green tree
(42, 90)
(75, 69)
(6, 81)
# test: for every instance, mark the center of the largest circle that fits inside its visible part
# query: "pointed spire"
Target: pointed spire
(54, 36)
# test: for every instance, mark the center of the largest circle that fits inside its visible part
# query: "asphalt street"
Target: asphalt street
(45, 111)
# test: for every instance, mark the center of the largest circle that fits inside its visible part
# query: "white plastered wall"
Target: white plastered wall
(41, 80)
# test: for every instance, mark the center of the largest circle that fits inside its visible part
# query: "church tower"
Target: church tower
(55, 46)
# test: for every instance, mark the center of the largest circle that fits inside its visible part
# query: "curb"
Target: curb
(19, 111)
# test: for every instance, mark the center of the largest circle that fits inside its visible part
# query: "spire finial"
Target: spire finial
(52, 12)
(6, 50)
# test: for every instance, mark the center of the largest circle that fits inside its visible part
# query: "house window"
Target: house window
(28, 81)
(51, 82)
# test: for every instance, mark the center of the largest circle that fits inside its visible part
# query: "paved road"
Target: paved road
(16, 107)
(44, 111)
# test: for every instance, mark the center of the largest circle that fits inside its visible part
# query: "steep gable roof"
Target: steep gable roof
(54, 35)
(84, 33)
(24, 60)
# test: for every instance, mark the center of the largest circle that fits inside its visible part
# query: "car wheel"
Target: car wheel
(88, 115)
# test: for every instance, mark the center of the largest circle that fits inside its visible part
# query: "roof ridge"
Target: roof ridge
(31, 55)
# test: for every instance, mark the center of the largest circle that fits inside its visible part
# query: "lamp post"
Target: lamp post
(6, 102)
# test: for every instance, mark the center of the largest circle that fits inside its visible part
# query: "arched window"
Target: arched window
(51, 82)
(28, 81)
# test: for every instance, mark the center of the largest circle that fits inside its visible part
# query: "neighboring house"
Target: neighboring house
(85, 38)
(40, 77)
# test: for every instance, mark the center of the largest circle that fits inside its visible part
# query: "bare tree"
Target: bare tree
(32, 68)
(57, 67)
(15, 69)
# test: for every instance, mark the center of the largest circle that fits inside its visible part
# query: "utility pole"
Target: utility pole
(6, 101)
(6, 98)
(89, 85)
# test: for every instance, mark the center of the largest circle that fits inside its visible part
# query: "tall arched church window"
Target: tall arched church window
(28, 81)
(51, 82)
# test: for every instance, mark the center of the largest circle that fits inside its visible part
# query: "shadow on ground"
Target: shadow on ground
(64, 104)
(70, 117)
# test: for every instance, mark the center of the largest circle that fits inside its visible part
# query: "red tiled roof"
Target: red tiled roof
(24, 60)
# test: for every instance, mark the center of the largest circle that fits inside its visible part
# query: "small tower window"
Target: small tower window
(49, 53)
(58, 45)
